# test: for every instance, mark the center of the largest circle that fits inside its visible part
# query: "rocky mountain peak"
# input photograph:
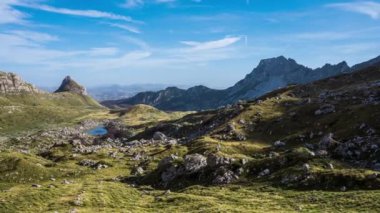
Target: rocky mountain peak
(69, 85)
(12, 83)
(277, 66)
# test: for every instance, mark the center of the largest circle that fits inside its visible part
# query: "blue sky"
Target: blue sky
(178, 42)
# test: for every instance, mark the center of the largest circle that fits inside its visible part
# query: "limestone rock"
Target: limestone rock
(11, 83)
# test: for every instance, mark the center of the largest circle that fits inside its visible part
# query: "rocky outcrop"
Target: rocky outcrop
(11, 83)
(69, 85)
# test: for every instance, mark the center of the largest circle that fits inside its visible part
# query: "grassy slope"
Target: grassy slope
(95, 191)
(36, 111)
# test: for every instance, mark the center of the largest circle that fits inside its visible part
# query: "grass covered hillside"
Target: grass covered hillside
(305, 148)
(26, 111)
(145, 115)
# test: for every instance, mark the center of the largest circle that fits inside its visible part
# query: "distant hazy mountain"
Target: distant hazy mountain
(269, 75)
(173, 98)
(114, 92)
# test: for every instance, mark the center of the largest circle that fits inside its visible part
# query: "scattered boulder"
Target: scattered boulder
(327, 142)
(325, 109)
(306, 167)
(88, 163)
(194, 162)
(138, 171)
(36, 186)
(214, 160)
(167, 161)
(263, 173)
(224, 176)
(93, 164)
(171, 172)
(159, 136)
(330, 166)
(279, 144)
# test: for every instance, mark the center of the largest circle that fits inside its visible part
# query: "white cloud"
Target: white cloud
(34, 36)
(129, 28)
(103, 51)
(9, 15)
(133, 3)
(30, 51)
(211, 44)
(368, 8)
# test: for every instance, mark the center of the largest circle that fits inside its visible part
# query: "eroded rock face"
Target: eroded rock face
(69, 85)
(12, 83)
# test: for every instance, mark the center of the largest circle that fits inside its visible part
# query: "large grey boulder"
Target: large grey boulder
(214, 160)
(159, 136)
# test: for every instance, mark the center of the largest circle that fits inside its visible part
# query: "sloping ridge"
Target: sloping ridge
(22, 107)
(269, 75)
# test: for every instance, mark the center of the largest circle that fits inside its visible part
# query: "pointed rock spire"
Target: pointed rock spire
(69, 85)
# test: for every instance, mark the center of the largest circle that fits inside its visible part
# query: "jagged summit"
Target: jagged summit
(277, 61)
(11, 83)
(69, 85)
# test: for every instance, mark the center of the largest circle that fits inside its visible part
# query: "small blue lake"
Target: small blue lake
(98, 131)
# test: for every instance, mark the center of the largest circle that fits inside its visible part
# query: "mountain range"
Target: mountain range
(270, 74)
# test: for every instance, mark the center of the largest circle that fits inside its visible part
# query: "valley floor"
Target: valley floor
(97, 191)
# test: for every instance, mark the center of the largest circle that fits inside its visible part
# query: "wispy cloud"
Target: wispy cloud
(130, 4)
(82, 13)
(211, 44)
(368, 8)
